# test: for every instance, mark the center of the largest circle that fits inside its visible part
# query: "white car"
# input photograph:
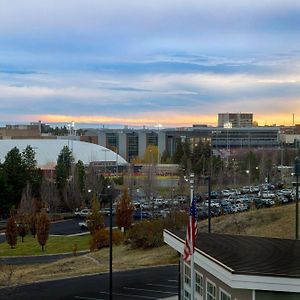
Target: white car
(82, 213)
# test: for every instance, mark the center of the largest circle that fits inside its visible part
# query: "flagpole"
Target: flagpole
(192, 256)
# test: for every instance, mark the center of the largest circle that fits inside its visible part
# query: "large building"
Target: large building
(234, 267)
(47, 152)
(132, 143)
(235, 120)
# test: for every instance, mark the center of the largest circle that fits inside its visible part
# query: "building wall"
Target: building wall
(236, 294)
(236, 119)
(20, 131)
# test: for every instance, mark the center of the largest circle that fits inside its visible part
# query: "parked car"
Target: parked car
(138, 215)
(82, 213)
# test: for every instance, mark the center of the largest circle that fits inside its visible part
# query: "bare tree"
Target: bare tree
(49, 194)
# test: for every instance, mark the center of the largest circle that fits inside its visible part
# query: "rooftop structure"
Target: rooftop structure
(240, 267)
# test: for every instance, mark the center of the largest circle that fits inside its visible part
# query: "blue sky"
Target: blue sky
(146, 62)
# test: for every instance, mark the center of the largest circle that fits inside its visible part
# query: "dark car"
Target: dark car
(141, 215)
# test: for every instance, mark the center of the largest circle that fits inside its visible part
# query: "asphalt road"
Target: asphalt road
(148, 283)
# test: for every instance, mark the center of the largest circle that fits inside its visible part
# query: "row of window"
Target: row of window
(211, 288)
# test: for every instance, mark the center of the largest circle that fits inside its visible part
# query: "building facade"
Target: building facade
(132, 143)
(235, 119)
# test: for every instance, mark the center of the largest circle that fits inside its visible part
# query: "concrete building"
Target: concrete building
(235, 119)
(132, 143)
(234, 267)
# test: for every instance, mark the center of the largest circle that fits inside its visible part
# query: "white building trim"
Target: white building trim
(226, 274)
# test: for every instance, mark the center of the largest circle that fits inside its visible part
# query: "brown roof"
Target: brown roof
(251, 255)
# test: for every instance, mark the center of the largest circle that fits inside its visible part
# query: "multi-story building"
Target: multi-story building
(235, 120)
(132, 143)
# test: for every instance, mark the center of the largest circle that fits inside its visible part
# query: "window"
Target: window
(224, 295)
(187, 274)
(210, 291)
(199, 283)
(187, 295)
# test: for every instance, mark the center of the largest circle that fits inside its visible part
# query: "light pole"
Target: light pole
(110, 244)
(297, 173)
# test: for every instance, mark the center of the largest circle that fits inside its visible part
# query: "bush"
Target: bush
(100, 238)
(176, 220)
(146, 234)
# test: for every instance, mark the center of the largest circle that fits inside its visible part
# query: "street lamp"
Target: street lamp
(297, 173)
(110, 244)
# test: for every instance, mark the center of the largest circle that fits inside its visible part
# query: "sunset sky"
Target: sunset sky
(134, 62)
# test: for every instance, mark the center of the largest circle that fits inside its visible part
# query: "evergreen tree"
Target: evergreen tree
(176, 158)
(15, 177)
(63, 169)
(80, 172)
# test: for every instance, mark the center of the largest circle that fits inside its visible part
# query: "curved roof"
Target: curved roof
(47, 151)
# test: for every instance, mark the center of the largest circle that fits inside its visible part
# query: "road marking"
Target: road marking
(145, 290)
(163, 285)
(130, 296)
(87, 298)
(173, 280)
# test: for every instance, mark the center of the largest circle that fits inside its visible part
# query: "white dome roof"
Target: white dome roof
(47, 151)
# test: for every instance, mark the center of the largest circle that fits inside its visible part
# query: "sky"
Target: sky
(133, 62)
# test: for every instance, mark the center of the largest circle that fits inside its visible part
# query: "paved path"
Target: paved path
(37, 259)
(147, 283)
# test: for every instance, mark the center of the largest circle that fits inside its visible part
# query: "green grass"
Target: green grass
(55, 244)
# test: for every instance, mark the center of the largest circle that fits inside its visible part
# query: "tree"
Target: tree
(151, 155)
(124, 211)
(15, 177)
(22, 225)
(63, 170)
(43, 227)
(95, 220)
(11, 232)
(80, 175)
(176, 158)
(34, 175)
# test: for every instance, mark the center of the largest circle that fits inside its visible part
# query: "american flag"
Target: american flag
(191, 232)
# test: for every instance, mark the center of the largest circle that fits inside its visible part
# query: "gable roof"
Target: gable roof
(250, 255)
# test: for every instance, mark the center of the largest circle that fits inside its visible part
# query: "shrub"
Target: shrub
(146, 234)
(176, 220)
(100, 239)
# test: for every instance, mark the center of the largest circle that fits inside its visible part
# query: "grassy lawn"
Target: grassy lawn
(277, 222)
(124, 258)
(55, 244)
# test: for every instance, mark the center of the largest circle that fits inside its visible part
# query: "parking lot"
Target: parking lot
(146, 283)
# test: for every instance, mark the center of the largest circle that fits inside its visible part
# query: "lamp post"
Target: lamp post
(110, 239)
(297, 173)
